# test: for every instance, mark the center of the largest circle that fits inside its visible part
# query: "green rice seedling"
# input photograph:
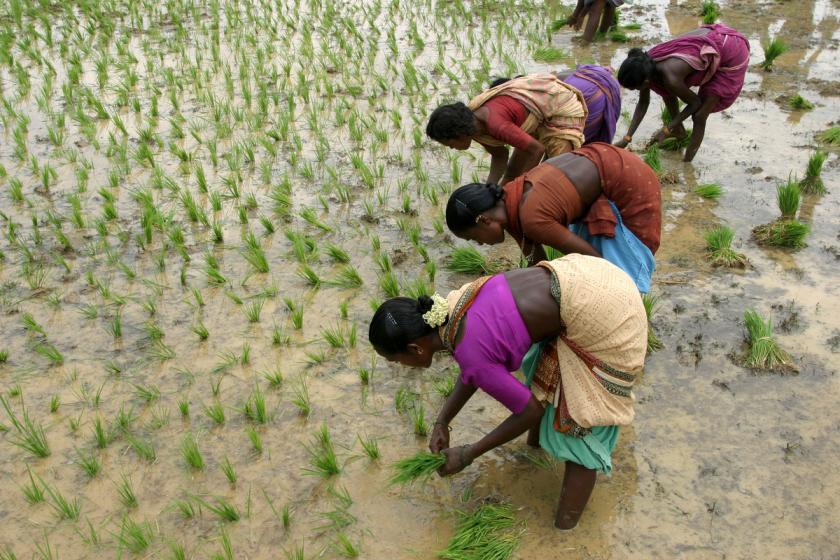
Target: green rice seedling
(389, 284)
(709, 190)
(29, 434)
(126, 493)
(100, 435)
(255, 439)
(161, 351)
(467, 260)
(135, 537)
(295, 554)
(177, 551)
(255, 408)
(764, 352)
(90, 464)
(316, 357)
(147, 394)
(310, 276)
(245, 356)
(343, 309)
(651, 302)
(337, 254)
(334, 336)
(308, 214)
(45, 551)
(709, 11)
(788, 198)
(489, 532)
(782, 233)
(719, 247)
(66, 509)
(224, 509)
(676, 144)
(16, 190)
(50, 352)
(444, 386)
(201, 330)
(322, 457)
(549, 54)
(274, 378)
(184, 407)
(254, 254)
(651, 157)
(230, 472)
(417, 414)
(422, 465)
(191, 452)
(215, 412)
(187, 509)
(337, 519)
(348, 277)
(30, 324)
(143, 448)
(370, 447)
(830, 136)
(114, 328)
(812, 183)
(33, 493)
(800, 103)
(345, 547)
(253, 310)
(772, 50)
(4, 356)
(618, 36)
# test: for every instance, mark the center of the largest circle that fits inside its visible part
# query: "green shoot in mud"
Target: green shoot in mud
(370, 447)
(29, 435)
(651, 157)
(719, 247)
(66, 509)
(813, 183)
(345, 547)
(709, 190)
(322, 457)
(135, 537)
(419, 466)
(125, 491)
(773, 50)
(33, 492)
(191, 453)
(301, 398)
(830, 136)
(651, 303)
(788, 198)
(550, 54)
(255, 439)
(489, 532)
(782, 233)
(256, 409)
(228, 470)
(89, 463)
(417, 414)
(224, 509)
(709, 12)
(764, 352)
(800, 103)
(675, 144)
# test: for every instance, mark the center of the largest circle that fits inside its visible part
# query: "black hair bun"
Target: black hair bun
(636, 52)
(424, 304)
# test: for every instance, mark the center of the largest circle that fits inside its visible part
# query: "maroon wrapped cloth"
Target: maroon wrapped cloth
(719, 58)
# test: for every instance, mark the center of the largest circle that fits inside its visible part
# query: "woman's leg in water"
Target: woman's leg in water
(593, 18)
(578, 482)
(607, 19)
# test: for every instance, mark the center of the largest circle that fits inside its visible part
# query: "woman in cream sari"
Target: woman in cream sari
(587, 318)
(538, 114)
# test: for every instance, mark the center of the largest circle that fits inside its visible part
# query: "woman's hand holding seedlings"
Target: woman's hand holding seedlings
(457, 459)
(439, 440)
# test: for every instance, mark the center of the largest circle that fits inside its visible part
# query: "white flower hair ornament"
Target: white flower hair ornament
(437, 315)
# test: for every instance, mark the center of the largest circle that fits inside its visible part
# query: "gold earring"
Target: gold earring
(478, 218)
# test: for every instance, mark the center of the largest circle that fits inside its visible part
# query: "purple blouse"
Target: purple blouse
(495, 341)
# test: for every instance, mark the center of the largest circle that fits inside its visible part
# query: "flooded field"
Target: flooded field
(203, 199)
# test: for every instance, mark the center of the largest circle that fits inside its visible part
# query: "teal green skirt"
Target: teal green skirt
(593, 451)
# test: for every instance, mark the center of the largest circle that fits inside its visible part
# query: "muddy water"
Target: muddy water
(721, 462)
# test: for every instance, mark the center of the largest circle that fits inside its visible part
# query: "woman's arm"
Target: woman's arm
(439, 439)
(524, 160)
(515, 425)
(638, 116)
(498, 162)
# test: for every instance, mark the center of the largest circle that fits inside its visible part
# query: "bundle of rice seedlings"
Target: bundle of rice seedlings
(782, 233)
(618, 36)
(830, 136)
(674, 144)
(421, 465)
(764, 352)
(653, 343)
(490, 532)
(651, 157)
(800, 103)
(772, 51)
(709, 11)
(709, 190)
(812, 183)
(787, 197)
(549, 54)
(719, 247)
(468, 260)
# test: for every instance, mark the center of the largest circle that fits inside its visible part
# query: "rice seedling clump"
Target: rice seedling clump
(764, 352)
(719, 248)
(489, 532)
(419, 466)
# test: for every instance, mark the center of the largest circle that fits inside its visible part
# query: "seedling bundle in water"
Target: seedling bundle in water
(422, 465)
(786, 231)
(719, 247)
(764, 352)
(489, 533)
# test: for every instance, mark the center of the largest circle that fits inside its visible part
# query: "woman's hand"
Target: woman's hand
(657, 138)
(457, 459)
(439, 440)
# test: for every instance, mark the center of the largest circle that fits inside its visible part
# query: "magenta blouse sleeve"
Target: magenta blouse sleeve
(499, 383)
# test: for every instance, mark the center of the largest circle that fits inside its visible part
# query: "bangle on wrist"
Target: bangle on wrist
(444, 424)
(628, 138)
(666, 130)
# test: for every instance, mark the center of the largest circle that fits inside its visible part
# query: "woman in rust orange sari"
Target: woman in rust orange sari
(598, 200)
